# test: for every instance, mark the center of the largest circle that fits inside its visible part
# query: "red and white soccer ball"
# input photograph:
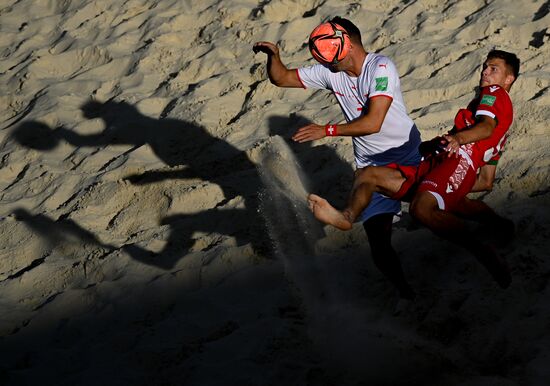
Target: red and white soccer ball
(329, 43)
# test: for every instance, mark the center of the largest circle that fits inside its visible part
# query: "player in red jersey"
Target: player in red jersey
(437, 188)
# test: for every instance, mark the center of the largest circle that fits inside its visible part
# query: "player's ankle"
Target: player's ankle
(349, 216)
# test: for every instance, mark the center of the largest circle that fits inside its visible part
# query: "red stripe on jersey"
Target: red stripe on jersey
(300, 79)
(382, 95)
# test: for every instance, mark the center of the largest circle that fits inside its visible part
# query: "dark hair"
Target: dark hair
(511, 60)
(351, 28)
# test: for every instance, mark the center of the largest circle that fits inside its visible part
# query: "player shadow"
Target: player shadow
(184, 144)
(62, 231)
(177, 143)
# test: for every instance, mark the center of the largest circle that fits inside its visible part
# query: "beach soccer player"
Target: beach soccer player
(438, 186)
(367, 88)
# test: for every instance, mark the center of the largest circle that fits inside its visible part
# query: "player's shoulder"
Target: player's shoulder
(380, 61)
(490, 94)
(494, 89)
(315, 70)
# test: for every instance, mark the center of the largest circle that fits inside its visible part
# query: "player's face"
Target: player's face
(495, 71)
(342, 65)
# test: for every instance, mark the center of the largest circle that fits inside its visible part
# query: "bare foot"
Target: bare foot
(328, 214)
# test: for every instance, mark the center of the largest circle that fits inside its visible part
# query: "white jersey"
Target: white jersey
(378, 78)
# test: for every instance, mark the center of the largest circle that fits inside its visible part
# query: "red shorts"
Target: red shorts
(449, 180)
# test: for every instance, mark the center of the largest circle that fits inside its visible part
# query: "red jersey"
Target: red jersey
(450, 179)
(494, 102)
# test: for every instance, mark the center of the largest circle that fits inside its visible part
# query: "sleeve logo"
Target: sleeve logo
(381, 84)
(488, 100)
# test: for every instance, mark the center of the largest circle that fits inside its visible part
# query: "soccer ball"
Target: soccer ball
(329, 43)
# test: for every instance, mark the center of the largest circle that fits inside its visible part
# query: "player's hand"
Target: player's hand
(308, 133)
(452, 145)
(265, 47)
(432, 147)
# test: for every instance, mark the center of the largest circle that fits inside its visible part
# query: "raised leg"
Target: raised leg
(502, 228)
(424, 208)
(367, 181)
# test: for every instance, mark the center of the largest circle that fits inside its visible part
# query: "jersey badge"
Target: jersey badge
(488, 100)
(382, 84)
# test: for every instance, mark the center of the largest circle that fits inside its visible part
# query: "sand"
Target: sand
(154, 228)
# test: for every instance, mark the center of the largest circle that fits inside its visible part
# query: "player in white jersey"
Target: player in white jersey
(397, 136)
(368, 90)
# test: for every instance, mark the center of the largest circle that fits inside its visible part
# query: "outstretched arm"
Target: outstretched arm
(482, 129)
(369, 123)
(278, 73)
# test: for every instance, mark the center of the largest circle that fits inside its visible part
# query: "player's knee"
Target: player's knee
(365, 180)
(366, 175)
(423, 206)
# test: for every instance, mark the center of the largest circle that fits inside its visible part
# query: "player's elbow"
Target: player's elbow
(374, 125)
(488, 186)
(366, 125)
(487, 132)
(483, 186)
(279, 82)
(486, 128)
(287, 78)
(371, 128)
(275, 81)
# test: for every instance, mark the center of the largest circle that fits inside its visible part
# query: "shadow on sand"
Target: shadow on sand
(196, 154)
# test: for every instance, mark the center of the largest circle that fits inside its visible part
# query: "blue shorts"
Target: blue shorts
(406, 154)
(379, 204)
